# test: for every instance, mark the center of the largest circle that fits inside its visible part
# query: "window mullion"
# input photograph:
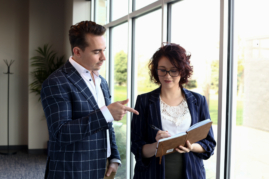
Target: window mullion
(164, 22)
(222, 100)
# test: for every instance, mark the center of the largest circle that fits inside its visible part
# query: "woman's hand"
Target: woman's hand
(161, 135)
(181, 149)
(148, 150)
(190, 148)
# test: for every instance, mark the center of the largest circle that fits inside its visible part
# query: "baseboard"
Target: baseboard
(23, 148)
(14, 147)
(38, 151)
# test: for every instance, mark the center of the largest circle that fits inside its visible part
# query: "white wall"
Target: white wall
(81, 11)
(24, 26)
(14, 30)
(49, 22)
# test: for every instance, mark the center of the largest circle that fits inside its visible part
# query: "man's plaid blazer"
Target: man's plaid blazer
(77, 128)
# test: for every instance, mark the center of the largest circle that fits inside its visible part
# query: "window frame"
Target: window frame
(226, 73)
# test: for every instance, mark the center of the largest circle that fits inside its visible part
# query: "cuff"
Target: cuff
(115, 161)
(106, 113)
(203, 145)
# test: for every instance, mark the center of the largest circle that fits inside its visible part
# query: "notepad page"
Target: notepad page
(199, 124)
(174, 136)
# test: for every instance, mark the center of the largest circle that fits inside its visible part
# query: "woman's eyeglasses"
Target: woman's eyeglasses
(163, 72)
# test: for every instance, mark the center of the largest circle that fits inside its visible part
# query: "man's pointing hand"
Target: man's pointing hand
(118, 109)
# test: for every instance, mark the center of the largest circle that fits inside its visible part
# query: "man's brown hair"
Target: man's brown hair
(78, 32)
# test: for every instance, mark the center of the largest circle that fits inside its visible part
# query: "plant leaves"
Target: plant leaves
(44, 64)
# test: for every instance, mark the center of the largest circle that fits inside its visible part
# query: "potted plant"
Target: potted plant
(43, 65)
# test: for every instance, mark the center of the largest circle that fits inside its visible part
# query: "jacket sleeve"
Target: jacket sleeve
(139, 134)
(57, 105)
(209, 142)
(114, 149)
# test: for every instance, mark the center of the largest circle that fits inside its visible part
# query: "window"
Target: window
(119, 61)
(119, 8)
(196, 28)
(142, 3)
(201, 28)
(147, 41)
(250, 124)
(101, 12)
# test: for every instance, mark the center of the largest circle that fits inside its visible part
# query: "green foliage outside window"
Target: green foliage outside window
(121, 67)
(215, 75)
(191, 84)
(120, 133)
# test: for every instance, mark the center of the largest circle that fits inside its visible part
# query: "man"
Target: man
(76, 102)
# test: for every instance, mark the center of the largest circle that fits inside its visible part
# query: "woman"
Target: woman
(172, 109)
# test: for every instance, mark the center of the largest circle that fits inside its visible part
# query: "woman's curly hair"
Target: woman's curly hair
(177, 56)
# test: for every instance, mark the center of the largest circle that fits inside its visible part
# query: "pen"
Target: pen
(155, 128)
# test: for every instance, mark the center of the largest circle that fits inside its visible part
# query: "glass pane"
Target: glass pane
(119, 8)
(119, 57)
(142, 3)
(147, 41)
(101, 12)
(196, 28)
(103, 70)
(250, 157)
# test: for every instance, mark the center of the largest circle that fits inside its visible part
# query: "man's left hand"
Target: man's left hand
(113, 167)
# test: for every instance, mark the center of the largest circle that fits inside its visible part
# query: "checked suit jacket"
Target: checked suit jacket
(77, 128)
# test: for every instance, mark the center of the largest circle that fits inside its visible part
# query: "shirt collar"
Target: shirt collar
(81, 70)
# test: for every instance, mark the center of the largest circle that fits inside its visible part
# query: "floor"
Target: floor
(250, 158)
(22, 166)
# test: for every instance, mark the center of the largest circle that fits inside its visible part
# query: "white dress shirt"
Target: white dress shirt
(98, 96)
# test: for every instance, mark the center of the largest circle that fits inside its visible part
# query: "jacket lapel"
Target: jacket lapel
(154, 108)
(192, 104)
(105, 91)
(73, 76)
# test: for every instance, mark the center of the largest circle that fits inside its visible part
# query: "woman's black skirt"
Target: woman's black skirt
(174, 166)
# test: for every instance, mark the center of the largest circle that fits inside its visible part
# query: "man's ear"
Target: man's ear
(76, 51)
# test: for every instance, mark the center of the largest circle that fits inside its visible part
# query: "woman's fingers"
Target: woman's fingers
(182, 149)
(189, 145)
(165, 134)
(162, 134)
